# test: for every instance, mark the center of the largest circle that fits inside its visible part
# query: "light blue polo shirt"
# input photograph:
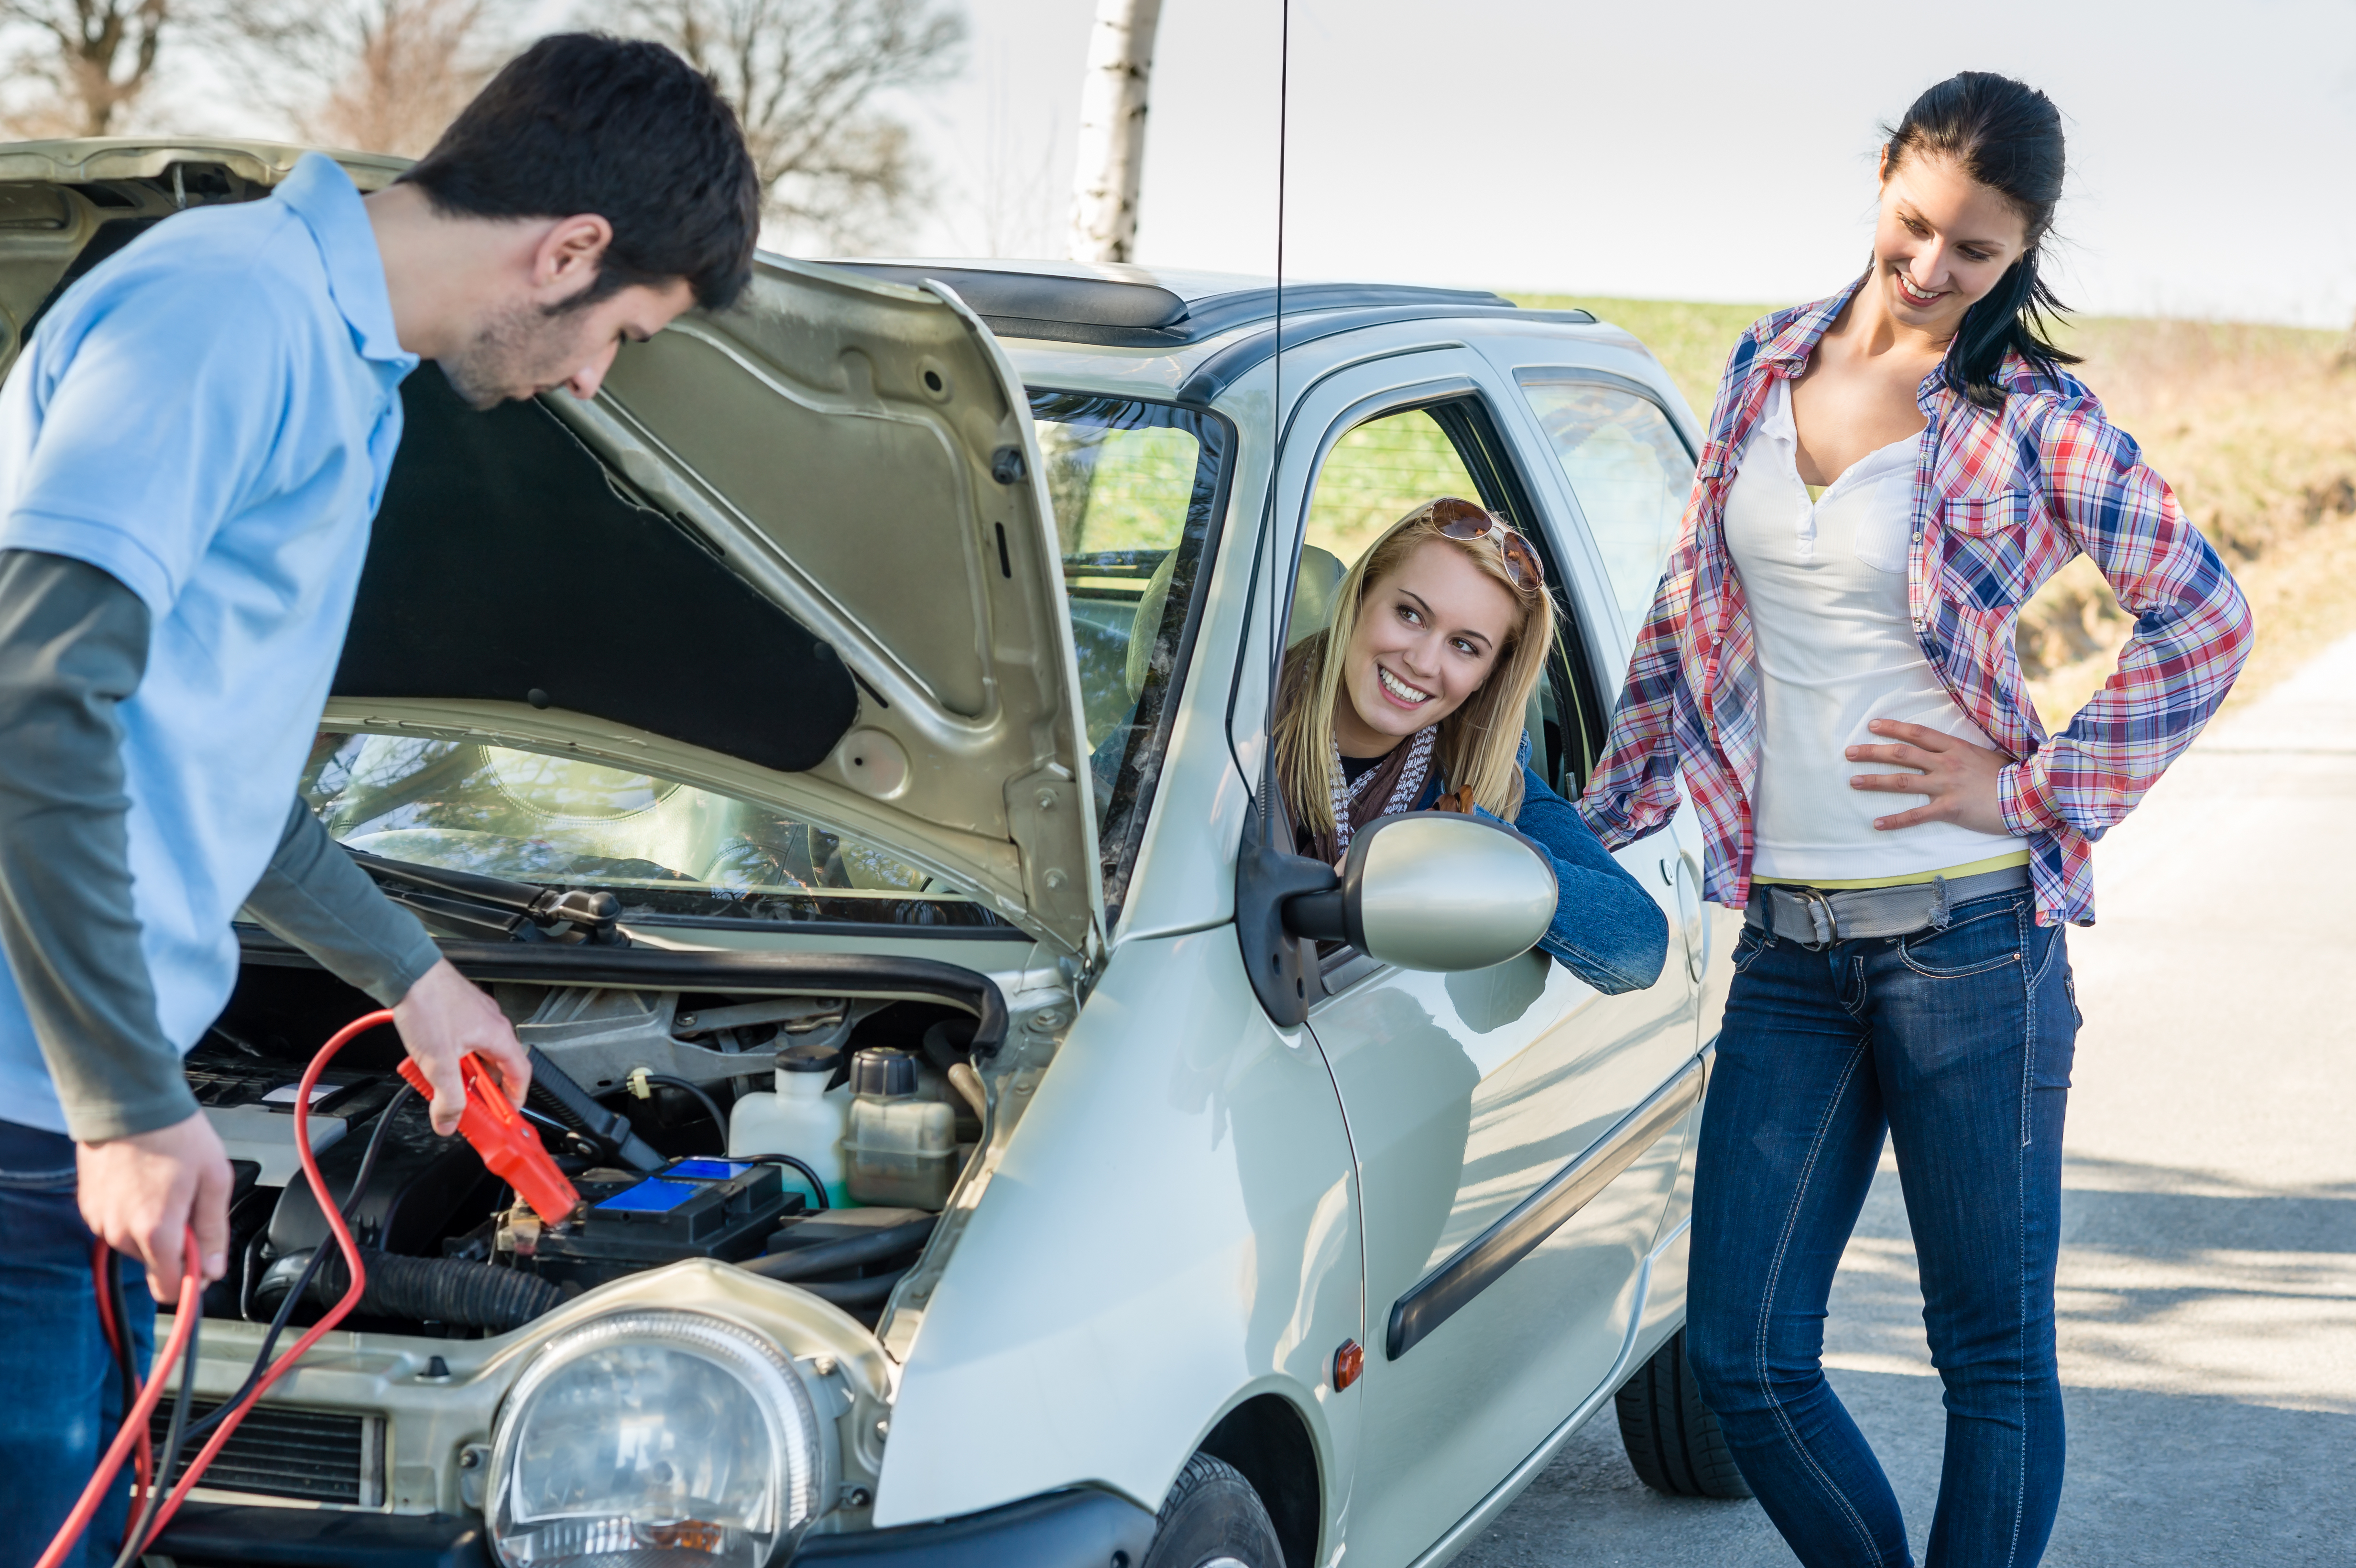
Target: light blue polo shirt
(209, 416)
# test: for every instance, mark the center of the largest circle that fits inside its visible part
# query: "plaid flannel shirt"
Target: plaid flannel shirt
(2002, 501)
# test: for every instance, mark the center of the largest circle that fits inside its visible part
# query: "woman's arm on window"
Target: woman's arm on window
(1606, 927)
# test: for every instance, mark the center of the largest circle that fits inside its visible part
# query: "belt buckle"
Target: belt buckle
(1821, 924)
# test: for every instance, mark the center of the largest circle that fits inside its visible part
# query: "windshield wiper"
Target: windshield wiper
(492, 908)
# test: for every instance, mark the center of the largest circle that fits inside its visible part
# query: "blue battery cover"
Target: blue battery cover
(708, 1169)
(705, 1207)
(652, 1196)
(662, 1194)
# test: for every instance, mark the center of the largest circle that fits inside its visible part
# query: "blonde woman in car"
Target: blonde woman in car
(1413, 699)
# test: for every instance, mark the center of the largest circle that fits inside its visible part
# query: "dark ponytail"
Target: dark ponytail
(2006, 135)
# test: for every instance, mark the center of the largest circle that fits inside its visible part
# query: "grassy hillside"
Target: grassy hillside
(1691, 340)
(2253, 425)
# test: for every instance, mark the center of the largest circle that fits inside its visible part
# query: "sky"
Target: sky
(1706, 150)
(1709, 150)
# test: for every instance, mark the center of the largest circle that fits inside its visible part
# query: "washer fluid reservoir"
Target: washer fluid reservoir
(802, 1118)
(901, 1149)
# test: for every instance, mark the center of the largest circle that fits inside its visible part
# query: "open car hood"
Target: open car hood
(798, 551)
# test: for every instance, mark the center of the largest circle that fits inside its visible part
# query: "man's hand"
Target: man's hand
(1960, 778)
(138, 1193)
(445, 1016)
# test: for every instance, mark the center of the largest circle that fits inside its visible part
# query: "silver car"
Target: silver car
(884, 664)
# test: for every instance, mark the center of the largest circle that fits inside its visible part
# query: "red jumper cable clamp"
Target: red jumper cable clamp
(510, 1148)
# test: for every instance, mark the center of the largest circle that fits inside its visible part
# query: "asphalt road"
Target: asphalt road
(2208, 1282)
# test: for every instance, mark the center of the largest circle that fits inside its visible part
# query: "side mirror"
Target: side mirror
(1434, 889)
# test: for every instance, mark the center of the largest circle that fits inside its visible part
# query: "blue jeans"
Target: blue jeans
(64, 1400)
(1958, 1041)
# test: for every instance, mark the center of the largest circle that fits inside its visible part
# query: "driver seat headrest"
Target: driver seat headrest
(1313, 593)
(1312, 608)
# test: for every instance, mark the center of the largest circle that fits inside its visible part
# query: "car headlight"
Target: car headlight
(653, 1439)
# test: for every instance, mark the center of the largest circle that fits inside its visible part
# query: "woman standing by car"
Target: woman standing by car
(1443, 627)
(1890, 472)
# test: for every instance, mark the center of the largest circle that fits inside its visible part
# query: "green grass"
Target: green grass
(2254, 426)
(1691, 340)
(1376, 475)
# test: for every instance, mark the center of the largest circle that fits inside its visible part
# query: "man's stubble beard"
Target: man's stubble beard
(513, 354)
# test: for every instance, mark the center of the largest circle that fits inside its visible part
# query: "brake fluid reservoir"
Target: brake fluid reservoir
(901, 1147)
(801, 1118)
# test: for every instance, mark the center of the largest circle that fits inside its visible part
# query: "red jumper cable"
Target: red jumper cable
(510, 1149)
(101, 1285)
(184, 1323)
(134, 1420)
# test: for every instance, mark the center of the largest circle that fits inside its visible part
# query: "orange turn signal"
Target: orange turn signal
(1348, 1362)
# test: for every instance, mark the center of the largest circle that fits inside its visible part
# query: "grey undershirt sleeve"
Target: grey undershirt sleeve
(315, 896)
(73, 645)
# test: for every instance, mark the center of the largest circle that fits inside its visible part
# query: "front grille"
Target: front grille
(281, 1451)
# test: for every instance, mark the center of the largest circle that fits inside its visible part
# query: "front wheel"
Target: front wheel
(1672, 1437)
(1213, 1518)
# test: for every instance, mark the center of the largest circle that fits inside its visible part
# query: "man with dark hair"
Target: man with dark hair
(192, 448)
(622, 134)
(634, 137)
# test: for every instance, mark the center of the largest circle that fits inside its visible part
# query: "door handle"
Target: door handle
(1690, 911)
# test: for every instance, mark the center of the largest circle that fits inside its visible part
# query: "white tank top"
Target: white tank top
(1826, 585)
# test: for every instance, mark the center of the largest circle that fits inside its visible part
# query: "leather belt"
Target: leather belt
(1818, 917)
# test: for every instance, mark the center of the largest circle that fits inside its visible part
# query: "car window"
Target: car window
(1135, 486)
(664, 847)
(1628, 469)
(1378, 473)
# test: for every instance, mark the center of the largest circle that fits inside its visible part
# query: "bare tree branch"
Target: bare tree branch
(804, 77)
(93, 59)
(381, 76)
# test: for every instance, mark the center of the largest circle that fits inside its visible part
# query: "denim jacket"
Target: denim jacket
(1606, 927)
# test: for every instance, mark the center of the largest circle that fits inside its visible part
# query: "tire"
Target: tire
(1213, 1518)
(1672, 1439)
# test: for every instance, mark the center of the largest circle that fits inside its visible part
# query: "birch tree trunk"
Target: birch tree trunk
(1112, 131)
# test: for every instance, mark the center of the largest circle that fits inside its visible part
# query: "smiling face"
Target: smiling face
(1942, 242)
(1428, 634)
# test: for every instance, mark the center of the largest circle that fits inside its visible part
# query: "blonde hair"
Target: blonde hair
(1478, 745)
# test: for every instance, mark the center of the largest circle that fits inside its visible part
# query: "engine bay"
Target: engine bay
(637, 1087)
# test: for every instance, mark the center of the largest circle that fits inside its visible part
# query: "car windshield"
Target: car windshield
(1132, 484)
(1135, 487)
(666, 849)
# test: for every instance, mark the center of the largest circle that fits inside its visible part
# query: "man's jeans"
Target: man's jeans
(63, 1399)
(1958, 1040)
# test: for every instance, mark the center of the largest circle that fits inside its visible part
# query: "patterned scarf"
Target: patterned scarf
(1390, 786)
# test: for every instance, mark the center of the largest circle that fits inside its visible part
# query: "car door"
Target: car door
(1628, 465)
(1489, 1112)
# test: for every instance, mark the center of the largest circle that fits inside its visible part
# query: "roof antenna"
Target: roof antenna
(1259, 797)
(1276, 604)
(1279, 964)
(1283, 87)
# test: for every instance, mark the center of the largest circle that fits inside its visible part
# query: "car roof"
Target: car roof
(1140, 307)
(1205, 328)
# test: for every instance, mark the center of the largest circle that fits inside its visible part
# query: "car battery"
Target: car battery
(723, 1208)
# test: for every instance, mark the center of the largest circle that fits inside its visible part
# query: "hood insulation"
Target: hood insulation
(506, 566)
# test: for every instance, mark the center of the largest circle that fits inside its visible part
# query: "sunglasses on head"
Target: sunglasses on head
(1464, 521)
